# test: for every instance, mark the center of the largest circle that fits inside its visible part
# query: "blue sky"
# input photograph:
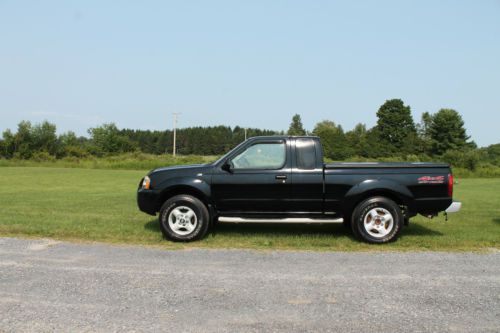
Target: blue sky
(249, 63)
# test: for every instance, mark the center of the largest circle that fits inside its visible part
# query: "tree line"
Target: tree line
(441, 135)
(41, 140)
(438, 136)
(395, 134)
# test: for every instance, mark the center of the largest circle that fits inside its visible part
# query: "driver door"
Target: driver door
(258, 181)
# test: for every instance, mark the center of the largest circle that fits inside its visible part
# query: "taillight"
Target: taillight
(450, 185)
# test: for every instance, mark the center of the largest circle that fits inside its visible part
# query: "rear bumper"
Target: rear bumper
(430, 206)
(454, 207)
(147, 200)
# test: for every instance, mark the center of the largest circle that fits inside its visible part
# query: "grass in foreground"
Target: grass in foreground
(99, 205)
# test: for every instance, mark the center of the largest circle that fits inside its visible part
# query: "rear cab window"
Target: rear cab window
(305, 154)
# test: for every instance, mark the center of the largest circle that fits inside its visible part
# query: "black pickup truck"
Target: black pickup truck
(283, 179)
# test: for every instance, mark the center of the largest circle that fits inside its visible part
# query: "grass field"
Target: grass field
(99, 205)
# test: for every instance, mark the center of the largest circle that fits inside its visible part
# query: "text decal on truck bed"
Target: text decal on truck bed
(431, 180)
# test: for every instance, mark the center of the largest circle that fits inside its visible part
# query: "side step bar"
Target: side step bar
(224, 219)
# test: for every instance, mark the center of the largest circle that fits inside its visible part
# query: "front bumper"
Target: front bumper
(454, 207)
(147, 200)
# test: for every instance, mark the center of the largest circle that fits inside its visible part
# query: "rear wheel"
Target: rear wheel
(184, 218)
(377, 220)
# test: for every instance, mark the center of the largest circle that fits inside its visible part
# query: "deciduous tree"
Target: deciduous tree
(107, 139)
(333, 139)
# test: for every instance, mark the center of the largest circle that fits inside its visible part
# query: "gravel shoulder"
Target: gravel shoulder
(47, 285)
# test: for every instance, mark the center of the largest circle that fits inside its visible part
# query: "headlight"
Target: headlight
(146, 182)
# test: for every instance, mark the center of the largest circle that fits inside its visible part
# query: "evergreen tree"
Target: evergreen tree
(296, 127)
(396, 127)
(447, 132)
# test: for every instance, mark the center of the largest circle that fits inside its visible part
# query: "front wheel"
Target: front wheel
(184, 218)
(377, 220)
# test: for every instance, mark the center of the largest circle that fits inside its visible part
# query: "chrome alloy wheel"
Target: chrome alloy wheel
(182, 220)
(378, 222)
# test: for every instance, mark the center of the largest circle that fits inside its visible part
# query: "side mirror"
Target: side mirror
(227, 166)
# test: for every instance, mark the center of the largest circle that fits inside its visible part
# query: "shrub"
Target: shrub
(75, 151)
(412, 158)
(467, 159)
(42, 156)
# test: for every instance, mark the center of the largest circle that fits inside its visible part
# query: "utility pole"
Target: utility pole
(245, 134)
(175, 129)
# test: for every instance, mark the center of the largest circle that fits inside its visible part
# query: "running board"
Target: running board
(224, 219)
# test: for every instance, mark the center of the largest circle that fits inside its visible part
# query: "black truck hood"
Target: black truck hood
(188, 168)
(180, 170)
(161, 175)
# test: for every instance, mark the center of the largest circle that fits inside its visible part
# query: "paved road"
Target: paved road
(51, 286)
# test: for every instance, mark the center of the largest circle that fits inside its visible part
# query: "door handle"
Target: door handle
(281, 177)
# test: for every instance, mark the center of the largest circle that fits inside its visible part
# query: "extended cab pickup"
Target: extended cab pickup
(284, 179)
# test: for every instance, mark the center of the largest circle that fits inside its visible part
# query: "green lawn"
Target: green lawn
(99, 205)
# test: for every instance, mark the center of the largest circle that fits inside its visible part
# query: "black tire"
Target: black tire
(378, 229)
(194, 215)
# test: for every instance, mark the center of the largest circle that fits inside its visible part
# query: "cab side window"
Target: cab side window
(269, 156)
